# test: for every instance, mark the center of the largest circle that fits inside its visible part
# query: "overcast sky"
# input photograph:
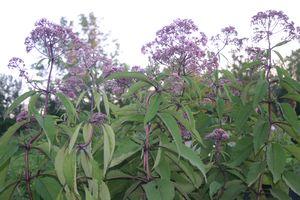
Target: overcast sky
(132, 22)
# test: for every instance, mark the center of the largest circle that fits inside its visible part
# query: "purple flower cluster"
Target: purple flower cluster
(71, 85)
(271, 22)
(23, 115)
(180, 46)
(174, 84)
(98, 118)
(49, 38)
(116, 86)
(218, 135)
(137, 69)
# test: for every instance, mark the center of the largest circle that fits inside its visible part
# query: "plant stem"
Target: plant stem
(48, 82)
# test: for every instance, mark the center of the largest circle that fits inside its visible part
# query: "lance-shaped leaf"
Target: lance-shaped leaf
(109, 146)
(276, 160)
(69, 170)
(9, 133)
(291, 116)
(173, 128)
(189, 155)
(104, 191)
(152, 108)
(74, 137)
(59, 165)
(292, 180)
(294, 150)
(18, 101)
(260, 135)
(160, 189)
(71, 111)
(260, 91)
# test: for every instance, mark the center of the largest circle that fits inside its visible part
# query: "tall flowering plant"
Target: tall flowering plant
(125, 133)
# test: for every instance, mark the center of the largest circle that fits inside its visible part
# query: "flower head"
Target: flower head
(179, 46)
(98, 118)
(218, 135)
(23, 115)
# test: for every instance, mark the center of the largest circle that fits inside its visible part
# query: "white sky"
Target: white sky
(132, 22)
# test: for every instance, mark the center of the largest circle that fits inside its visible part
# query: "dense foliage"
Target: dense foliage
(184, 127)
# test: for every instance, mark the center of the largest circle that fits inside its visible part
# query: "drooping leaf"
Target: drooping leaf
(9, 133)
(109, 146)
(8, 191)
(214, 188)
(59, 165)
(292, 180)
(74, 137)
(160, 189)
(260, 133)
(294, 150)
(104, 191)
(173, 128)
(241, 151)
(49, 126)
(291, 116)
(71, 111)
(47, 187)
(260, 91)
(69, 170)
(276, 160)
(152, 108)
(255, 170)
(125, 148)
(189, 155)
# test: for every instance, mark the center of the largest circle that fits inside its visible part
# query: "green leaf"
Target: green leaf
(59, 165)
(214, 188)
(106, 104)
(7, 192)
(260, 134)
(88, 195)
(109, 146)
(163, 168)
(86, 164)
(7, 151)
(69, 170)
(260, 91)
(81, 96)
(104, 191)
(135, 75)
(276, 160)
(49, 126)
(9, 133)
(280, 43)
(159, 190)
(220, 107)
(135, 87)
(47, 187)
(18, 101)
(125, 148)
(241, 151)
(233, 189)
(152, 109)
(255, 170)
(291, 116)
(71, 111)
(189, 155)
(292, 180)
(173, 128)
(241, 115)
(3, 172)
(74, 137)
(294, 150)
(279, 193)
